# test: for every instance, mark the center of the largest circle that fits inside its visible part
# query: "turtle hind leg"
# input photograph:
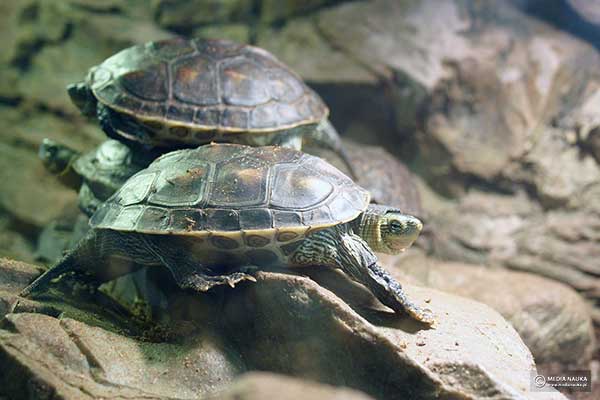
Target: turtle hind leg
(191, 279)
(72, 263)
(42, 283)
(325, 135)
(191, 274)
(100, 256)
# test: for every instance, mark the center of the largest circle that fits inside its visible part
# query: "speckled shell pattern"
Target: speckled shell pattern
(198, 91)
(229, 198)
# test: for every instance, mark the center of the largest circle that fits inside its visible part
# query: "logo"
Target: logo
(539, 381)
(573, 381)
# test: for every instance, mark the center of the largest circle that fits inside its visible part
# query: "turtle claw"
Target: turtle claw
(424, 315)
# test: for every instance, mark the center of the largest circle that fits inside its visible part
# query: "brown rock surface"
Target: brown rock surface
(263, 385)
(388, 180)
(512, 231)
(551, 318)
(332, 331)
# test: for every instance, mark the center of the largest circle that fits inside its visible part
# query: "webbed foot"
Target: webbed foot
(390, 293)
(190, 277)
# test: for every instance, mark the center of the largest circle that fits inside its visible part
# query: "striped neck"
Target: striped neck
(368, 227)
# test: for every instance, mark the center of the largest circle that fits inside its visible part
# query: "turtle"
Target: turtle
(215, 214)
(180, 92)
(96, 174)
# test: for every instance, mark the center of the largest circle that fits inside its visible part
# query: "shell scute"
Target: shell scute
(128, 218)
(244, 83)
(153, 218)
(181, 186)
(180, 113)
(136, 189)
(171, 48)
(286, 219)
(298, 188)
(256, 218)
(186, 220)
(149, 83)
(241, 182)
(222, 220)
(235, 118)
(208, 116)
(195, 81)
(318, 216)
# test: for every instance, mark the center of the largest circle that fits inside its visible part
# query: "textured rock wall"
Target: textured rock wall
(493, 109)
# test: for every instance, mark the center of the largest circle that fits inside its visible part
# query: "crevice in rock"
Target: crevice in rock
(28, 50)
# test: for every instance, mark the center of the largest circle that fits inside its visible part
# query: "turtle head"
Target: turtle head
(83, 98)
(388, 230)
(57, 158)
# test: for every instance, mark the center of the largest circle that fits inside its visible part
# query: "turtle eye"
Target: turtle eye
(396, 226)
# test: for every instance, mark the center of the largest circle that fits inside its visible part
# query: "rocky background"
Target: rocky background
(493, 106)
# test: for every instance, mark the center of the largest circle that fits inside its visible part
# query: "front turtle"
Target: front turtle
(184, 93)
(213, 213)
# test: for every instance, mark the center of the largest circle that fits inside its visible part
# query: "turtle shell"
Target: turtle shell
(232, 188)
(197, 87)
(106, 168)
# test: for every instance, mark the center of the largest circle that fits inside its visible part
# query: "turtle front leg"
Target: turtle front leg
(340, 248)
(359, 261)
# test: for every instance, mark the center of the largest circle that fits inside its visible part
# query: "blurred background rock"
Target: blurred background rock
(494, 106)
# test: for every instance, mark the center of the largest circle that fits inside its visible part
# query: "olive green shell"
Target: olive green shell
(191, 86)
(232, 188)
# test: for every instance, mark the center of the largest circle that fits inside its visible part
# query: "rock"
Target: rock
(263, 385)
(26, 128)
(512, 231)
(322, 328)
(183, 14)
(330, 326)
(587, 10)
(278, 10)
(51, 68)
(551, 318)
(359, 106)
(237, 32)
(557, 169)
(480, 103)
(299, 44)
(14, 244)
(43, 200)
(14, 276)
(69, 359)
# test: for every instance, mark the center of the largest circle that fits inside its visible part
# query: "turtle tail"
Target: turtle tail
(326, 136)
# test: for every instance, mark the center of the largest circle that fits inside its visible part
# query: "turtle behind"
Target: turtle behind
(182, 93)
